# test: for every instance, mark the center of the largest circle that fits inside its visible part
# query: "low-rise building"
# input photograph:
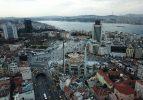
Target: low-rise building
(140, 70)
(14, 47)
(130, 51)
(104, 79)
(138, 52)
(13, 67)
(94, 48)
(68, 92)
(5, 88)
(103, 50)
(100, 93)
(65, 35)
(124, 92)
(118, 51)
(25, 91)
(139, 88)
(26, 73)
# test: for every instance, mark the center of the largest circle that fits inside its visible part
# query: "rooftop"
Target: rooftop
(105, 77)
(100, 91)
(140, 82)
(4, 86)
(124, 89)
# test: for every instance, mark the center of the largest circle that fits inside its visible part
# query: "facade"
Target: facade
(93, 48)
(1, 34)
(65, 35)
(10, 31)
(103, 50)
(28, 25)
(130, 51)
(75, 63)
(118, 51)
(138, 52)
(14, 47)
(1, 69)
(5, 88)
(4, 70)
(24, 67)
(26, 73)
(13, 67)
(97, 31)
(140, 70)
(139, 88)
(6, 97)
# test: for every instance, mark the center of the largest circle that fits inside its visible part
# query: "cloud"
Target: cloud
(68, 7)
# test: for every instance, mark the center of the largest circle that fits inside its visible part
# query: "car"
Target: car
(45, 96)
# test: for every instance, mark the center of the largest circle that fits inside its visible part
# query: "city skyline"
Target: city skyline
(30, 8)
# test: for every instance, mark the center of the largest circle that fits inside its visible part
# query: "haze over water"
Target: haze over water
(88, 26)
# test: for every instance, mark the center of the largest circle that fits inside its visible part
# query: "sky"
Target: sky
(29, 8)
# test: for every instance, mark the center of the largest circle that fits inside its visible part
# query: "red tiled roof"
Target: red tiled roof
(105, 77)
(67, 90)
(100, 91)
(124, 89)
(73, 79)
(82, 90)
(127, 82)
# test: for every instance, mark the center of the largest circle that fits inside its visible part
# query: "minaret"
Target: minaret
(85, 60)
(64, 57)
(96, 35)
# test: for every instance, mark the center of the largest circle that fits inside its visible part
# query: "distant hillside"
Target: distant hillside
(128, 19)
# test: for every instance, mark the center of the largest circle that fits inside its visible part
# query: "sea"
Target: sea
(88, 26)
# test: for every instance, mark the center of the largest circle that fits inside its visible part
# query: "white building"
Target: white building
(10, 31)
(5, 88)
(25, 96)
(5, 97)
(13, 67)
(14, 47)
(115, 54)
(26, 73)
(139, 88)
(65, 35)
(140, 70)
(103, 50)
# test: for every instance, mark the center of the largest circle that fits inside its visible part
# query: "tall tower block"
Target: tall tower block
(96, 35)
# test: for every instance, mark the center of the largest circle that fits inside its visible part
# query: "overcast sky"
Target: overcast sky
(26, 8)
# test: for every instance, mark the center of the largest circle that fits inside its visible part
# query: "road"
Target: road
(47, 86)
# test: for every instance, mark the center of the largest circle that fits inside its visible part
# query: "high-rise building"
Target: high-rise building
(28, 25)
(10, 31)
(97, 31)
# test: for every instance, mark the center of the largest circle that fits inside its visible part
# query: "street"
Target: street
(46, 86)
